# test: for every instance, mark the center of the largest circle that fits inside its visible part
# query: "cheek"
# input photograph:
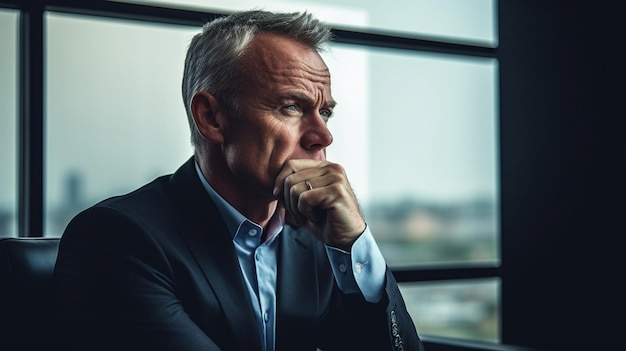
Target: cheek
(259, 150)
(282, 146)
(284, 141)
(240, 150)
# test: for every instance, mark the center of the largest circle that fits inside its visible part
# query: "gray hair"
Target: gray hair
(212, 58)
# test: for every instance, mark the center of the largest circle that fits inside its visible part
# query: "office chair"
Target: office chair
(27, 298)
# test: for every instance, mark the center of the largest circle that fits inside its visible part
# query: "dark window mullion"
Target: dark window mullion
(30, 137)
(428, 273)
(396, 41)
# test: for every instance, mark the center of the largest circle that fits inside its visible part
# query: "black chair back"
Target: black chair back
(27, 297)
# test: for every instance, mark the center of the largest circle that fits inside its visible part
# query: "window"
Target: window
(464, 309)
(114, 112)
(416, 133)
(468, 21)
(8, 123)
(422, 155)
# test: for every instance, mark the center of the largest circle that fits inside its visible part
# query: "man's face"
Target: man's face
(285, 104)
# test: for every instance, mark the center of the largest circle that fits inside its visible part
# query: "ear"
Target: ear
(209, 116)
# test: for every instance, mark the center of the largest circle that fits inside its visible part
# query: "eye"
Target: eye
(326, 113)
(291, 109)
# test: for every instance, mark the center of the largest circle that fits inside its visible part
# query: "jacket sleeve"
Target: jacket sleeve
(360, 325)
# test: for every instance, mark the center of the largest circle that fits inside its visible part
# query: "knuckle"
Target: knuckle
(289, 181)
(335, 168)
(337, 179)
(336, 188)
(292, 191)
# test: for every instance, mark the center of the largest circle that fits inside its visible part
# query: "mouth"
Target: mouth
(319, 155)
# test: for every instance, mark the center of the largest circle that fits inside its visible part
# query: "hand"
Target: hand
(329, 208)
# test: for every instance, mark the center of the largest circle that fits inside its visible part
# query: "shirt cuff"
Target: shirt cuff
(360, 271)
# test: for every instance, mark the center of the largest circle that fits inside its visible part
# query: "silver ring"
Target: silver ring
(308, 185)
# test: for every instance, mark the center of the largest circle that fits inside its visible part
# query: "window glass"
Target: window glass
(417, 134)
(8, 123)
(470, 21)
(114, 113)
(465, 309)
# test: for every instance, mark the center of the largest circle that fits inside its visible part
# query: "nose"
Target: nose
(316, 135)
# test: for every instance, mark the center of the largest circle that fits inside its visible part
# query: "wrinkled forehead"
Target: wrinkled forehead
(270, 56)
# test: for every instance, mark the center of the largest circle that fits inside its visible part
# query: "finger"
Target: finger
(287, 187)
(311, 205)
(290, 218)
(290, 200)
(291, 167)
(292, 197)
(313, 183)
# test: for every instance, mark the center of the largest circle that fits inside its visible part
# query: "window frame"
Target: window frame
(31, 44)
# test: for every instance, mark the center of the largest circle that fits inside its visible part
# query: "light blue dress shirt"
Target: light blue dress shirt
(361, 270)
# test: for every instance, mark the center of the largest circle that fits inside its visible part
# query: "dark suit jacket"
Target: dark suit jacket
(156, 270)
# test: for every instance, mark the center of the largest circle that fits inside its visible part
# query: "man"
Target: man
(257, 242)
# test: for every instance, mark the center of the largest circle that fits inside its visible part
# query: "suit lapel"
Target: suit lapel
(206, 235)
(298, 293)
(296, 275)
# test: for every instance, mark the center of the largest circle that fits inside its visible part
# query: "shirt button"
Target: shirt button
(357, 268)
(342, 268)
(252, 232)
(266, 317)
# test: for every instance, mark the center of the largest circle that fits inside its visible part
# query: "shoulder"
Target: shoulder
(154, 199)
(152, 194)
(138, 211)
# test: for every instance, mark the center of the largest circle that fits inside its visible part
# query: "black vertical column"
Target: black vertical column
(30, 138)
(555, 93)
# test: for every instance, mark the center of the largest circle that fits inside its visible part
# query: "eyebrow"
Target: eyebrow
(295, 95)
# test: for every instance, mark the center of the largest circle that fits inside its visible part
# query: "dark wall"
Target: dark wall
(558, 170)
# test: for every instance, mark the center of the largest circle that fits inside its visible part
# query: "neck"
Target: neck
(246, 199)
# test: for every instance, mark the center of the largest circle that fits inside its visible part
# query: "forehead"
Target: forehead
(274, 58)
